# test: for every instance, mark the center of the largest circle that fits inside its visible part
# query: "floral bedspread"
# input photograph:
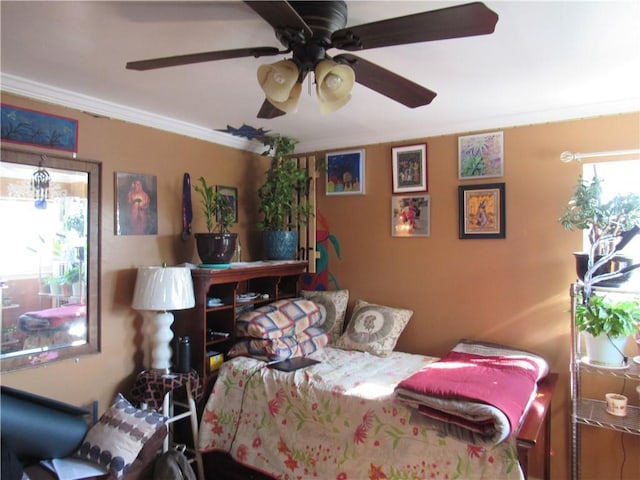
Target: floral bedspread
(338, 420)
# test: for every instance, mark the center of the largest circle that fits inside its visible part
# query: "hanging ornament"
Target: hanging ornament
(40, 186)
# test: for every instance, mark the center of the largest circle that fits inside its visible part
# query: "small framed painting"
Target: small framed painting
(231, 193)
(345, 173)
(136, 204)
(411, 216)
(409, 169)
(482, 211)
(480, 156)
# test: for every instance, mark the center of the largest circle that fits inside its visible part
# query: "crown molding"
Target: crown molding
(95, 106)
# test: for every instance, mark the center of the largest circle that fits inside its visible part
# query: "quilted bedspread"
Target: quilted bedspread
(338, 420)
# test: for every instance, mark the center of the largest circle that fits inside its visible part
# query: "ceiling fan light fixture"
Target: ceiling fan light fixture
(328, 107)
(277, 80)
(290, 105)
(334, 82)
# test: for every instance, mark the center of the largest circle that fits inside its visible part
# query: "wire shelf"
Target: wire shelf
(593, 412)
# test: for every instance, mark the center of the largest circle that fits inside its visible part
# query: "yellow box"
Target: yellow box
(215, 360)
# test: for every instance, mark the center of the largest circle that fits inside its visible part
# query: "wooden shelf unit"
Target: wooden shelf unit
(213, 328)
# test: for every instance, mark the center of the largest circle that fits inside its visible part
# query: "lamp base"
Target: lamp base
(161, 371)
(161, 342)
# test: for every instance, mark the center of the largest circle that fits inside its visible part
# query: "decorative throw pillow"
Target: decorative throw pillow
(281, 348)
(335, 305)
(281, 318)
(118, 437)
(374, 328)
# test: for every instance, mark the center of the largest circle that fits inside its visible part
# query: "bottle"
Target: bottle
(183, 355)
(238, 251)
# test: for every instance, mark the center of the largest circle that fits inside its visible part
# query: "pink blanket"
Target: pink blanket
(502, 381)
(52, 318)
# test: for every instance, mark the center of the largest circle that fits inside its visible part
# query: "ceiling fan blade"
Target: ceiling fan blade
(386, 82)
(452, 22)
(269, 111)
(202, 57)
(280, 14)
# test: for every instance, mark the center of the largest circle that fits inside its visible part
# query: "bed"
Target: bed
(339, 419)
(366, 411)
(62, 325)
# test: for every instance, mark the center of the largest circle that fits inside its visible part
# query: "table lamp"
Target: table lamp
(158, 290)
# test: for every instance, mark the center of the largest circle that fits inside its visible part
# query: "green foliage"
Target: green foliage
(282, 196)
(473, 166)
(72, 275)
(586, 211)
(218, 210)
(75, 223)
(600, 316)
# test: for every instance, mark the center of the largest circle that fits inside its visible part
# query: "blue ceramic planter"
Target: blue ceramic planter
(280, 245)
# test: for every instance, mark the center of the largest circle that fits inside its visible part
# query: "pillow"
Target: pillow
(279, 319)
(335, 305)
(119, 436)
(374, 328)
(281, 348)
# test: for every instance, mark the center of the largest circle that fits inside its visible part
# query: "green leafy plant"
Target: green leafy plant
(586, 211)
(72, 275)
(218, 210)
(599, 316)
(282, 196)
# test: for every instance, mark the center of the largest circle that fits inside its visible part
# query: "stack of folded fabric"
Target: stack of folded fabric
(283, 329)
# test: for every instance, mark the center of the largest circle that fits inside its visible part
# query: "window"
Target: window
(618, 177)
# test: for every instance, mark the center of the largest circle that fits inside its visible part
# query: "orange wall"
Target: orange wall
(512, 291)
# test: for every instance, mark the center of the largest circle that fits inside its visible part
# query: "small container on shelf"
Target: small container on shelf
(214, 360)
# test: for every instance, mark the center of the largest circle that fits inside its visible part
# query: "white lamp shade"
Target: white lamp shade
(163, 288)
(334, 82)
(278, 79)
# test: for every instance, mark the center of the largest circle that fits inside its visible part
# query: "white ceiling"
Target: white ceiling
(546, 61)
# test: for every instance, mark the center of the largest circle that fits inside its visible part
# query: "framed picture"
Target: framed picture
(232, 194)
(482, 211)
(345, 173)
(411, 216)
(29, 127)
(480, 156)
(409, 169)
(136, 204)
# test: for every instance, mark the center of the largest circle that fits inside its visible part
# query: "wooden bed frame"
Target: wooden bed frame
(535, 431)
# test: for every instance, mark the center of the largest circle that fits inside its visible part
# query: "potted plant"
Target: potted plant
(283, 204)
(218, 245)
(606, 325)
(610, 226)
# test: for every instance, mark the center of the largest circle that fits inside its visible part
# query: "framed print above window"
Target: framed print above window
(232, 195)
(482, 211)
(480, 156)
(411, 216)
(409, 169)
(345, 173)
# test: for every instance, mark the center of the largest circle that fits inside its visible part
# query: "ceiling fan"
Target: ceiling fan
(308, 29)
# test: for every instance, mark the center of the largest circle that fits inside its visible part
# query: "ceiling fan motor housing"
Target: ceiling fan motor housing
(323, 18)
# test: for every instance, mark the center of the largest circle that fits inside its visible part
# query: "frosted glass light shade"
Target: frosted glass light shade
(278, 79)
(163, 288)
(291, 104)
(334, 82)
